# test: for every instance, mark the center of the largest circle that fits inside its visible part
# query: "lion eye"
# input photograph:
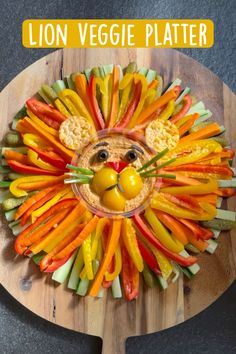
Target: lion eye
(131, 156)
(102, 155)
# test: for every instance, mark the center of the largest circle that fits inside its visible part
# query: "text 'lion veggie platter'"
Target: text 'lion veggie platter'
(109, 177)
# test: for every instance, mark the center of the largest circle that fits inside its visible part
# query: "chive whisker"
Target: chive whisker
(163, 175)
(85, 171)
(79, 175)
(158, 167)
(153, 160)
(77, 180)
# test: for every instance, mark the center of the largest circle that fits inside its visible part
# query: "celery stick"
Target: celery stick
(234, 170)
(181, 96)
(143, 71)
(83, 287)
(216, 233)
(5, 195)
(194, 269)
(17, 228)
(69, 82)
(225, 183)
(121, 72)
(10, 214)
(77, 267)
(151, 75)
(62, 273)
(20, 149)
(192, 248)
(87, 73)
(58, 86)
(219, 202)
(116, 288)
(199, 106)
(108, 68)
(212, 245)
(176, 82)
(226, 215)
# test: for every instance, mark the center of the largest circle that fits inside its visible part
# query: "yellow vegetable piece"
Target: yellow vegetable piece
(103, 179)
(143, 80)
(131, 182)
(86, 247)
(34, 158)
(14, 186)
(43, 125)
(118, 265)
(114, 200)
(161, 232)
(203, 188)
(61, 107)
(161, 134)
(168, 111)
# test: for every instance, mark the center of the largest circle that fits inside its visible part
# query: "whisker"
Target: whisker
(77, 180)
(158, 167)
(163, 175)
(153, 160)
(85, 171)
(79, 175)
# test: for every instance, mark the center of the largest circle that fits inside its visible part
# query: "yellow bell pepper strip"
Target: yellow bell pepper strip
(41, 226)
(48, 114)
(158, 103)
(149, 258)
(202, 188)
(186, 126)
(38, 212)
(31, 184)
(173, 225)
(35, 129)
(159, 202)
(106, 94)
(39, 122)
(204, 175)
(129, 276)
(109, 253)
(161, 232)
(149, 236)
(87, 230)
(139, 78)
(118, 265)
(38, 203)
(114, 98)
(150, 97)
(168, 111)
(163, 262)
(130, 241)
(61, 107)
(206, 132)
(33, 157)
(86, 247)
(69, 96)
(190, 152)
(187, 101)
(29, 169)
(125, 87)
(56, 235)
(48, 264)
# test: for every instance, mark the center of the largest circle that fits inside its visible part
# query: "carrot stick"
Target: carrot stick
(87, 230)
(174, 225)
(110, 250)
(185, 127)
(16, 156)
(38, 203)
(200, 244)
(114, 98)
(206, 132)
(52, 236)
(33, 186)
(48, 259)
(198, 231)
(153, 84)
(153, 107)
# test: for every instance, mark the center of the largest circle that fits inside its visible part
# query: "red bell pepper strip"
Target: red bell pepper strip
(51, 157)
(148, 234)
(33, 229)
(97, 115)
(221, 170)
(21, 168)
(129, 276)
(187, 101)
(198, 231)
(46, 113)
(149, 258)
(225, 192)
(230, 153)
(124, 121)
(56, 264)
(185, 201)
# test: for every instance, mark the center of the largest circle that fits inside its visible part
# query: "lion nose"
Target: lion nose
(118, 166)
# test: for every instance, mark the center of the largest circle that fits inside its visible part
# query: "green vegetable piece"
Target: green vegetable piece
(12, 203)
(149, 277)
(218, 224)
(160, 86)
(77, 267)
(5, 184)
(49, 92)
(62, 273)
(58, 86)
(13, 139)
(38, 257)
(131, 68)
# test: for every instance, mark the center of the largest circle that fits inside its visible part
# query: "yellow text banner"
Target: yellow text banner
(175, 33)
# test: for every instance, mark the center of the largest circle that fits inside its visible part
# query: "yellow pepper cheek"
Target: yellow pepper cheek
(103, 179)
(131, 182)
(113, 200)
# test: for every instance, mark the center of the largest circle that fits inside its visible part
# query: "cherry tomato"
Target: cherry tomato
(131, 182)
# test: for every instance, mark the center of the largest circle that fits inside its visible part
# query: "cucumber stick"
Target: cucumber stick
(143, 71)
(216, 233)
(21, 149)
(186, 91)
(192, 248)
(107, 69)
(212, 245)
(10, 214)
(5, 195)
(226, 215)
(225, 183)
(17, 228)
(176, 82)
(58, 86)
(83, 287)
(62, 273)
(194, 269)
(151, 75)
(197, 107)
(77, 267)
(219, 202)
(19, 115)
(12, 203)
(219, 224)
(162, 282)
(116, 288)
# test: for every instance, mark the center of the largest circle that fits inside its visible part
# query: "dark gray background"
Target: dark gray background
(214, 330)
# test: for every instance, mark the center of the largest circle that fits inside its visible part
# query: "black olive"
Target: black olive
(131, 155)
(102, 155)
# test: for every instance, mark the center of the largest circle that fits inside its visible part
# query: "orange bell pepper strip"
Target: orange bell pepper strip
(206, 132)
(47, 261)
(187, 101)
(221, 170)
(225, 192)
(28, 186)
(87, 230)
(31, 127)
(38, 203)
(209, 198)
(124, 121)
(198, 231)
(186, 126)
(56, 233)
(153, 107)
(114, 236)
(32, 170)
(129, 276)
(200, 244)
(16, 156)
(114, 98)
(173, 225)
(39, 228)
(153, 84)
(31, 201)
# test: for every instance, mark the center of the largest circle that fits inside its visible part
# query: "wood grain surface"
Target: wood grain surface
(154, 310)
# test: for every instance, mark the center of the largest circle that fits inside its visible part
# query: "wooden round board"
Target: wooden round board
(154, 310)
